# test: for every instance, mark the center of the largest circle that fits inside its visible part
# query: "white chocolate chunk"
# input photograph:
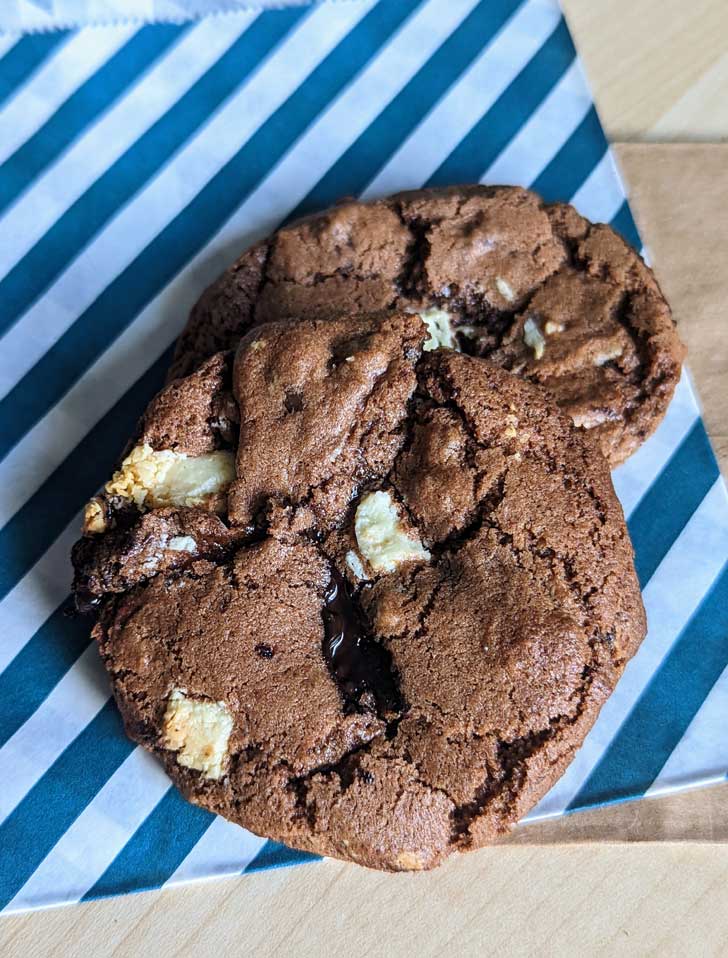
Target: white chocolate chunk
(381, 536)
(198, 731)
(94, 520)
(589, 419)
(551, 327)
(152, 479)
(439, 328)
(533, 337)
(614, 353)
(354, 563)
(505, 289)
(182, 544)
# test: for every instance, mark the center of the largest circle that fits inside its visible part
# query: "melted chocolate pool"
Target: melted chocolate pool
(361, 667)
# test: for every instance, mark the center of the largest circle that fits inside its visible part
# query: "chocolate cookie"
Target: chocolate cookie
(159, 511)
(535, 288)
(389, 629)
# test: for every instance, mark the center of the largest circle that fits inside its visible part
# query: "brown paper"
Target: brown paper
(679, 194)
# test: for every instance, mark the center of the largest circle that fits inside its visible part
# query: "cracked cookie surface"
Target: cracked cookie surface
(536, 288)
(393, 639)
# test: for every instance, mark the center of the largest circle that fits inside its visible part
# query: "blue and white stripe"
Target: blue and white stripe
(135, 163)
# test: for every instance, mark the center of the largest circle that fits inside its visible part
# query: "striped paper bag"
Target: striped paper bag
(135, 163)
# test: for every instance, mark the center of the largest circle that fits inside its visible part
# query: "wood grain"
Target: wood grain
(659, 69)
(663, 900)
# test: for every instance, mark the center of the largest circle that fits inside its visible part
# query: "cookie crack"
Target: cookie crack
(362, 667)
(512, 757)
(264, 279)
(486, 507)
(482, 517)
(507, 318)
(409, 281)
(90, 570)
(424, 613)
(452, 404)
(346, 768)
(621, 315)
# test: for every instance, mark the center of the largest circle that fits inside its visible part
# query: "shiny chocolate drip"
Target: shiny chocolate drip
(361, 667)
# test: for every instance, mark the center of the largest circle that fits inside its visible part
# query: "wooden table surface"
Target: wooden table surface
(659, 71)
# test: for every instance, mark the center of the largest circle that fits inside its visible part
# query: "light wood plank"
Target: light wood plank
(581, 900)
(643, 57)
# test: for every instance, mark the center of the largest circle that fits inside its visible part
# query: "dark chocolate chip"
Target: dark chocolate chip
(361, 667)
